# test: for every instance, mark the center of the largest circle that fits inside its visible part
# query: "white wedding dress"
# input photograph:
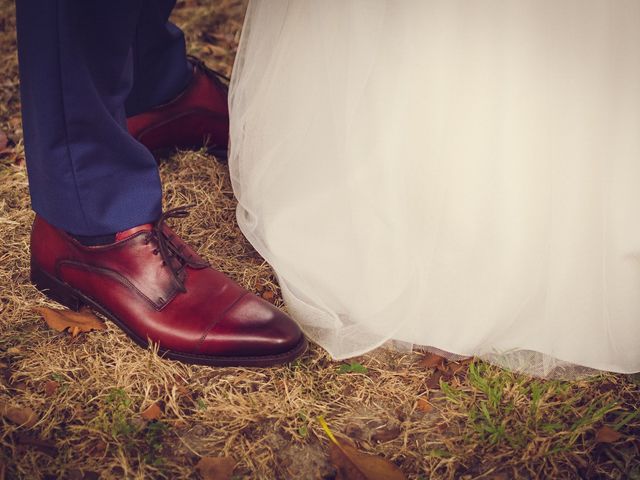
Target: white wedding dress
(456, 174)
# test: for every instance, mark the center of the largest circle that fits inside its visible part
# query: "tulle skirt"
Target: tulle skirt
(459, 175)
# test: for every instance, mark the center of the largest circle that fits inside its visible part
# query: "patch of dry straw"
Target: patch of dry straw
(264, 418)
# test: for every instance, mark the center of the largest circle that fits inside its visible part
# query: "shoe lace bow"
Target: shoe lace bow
(209, 71)
(168, 250)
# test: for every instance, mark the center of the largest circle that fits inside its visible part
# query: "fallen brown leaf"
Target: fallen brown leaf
(23, 416)
(50, 388)
(351, 464)
(216, 468)
(433, 382)
(607, 434)
(386, 434)
(431, 360)
(457, 368)
(423, 405)
(152, 412)
(75, 322)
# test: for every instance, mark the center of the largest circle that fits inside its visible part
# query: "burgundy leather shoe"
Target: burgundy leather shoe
(198, 116)
(155, 287)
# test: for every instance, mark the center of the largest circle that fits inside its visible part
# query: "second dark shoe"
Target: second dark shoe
(198, 116)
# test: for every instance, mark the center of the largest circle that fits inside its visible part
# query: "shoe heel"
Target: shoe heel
(55, 289)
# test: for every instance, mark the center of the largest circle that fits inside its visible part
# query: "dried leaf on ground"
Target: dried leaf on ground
(431, 360)
(386, 434)
(352, 464)
(433, 382)
(607, 435)
(423, 405)
(23, 416)
(216, 468)
(75, 322)
(454, 369)
(51, 387)
(152, 412)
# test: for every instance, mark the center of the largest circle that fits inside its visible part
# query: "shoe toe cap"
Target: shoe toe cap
(253, 327)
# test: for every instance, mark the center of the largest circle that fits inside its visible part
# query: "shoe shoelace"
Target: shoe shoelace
(169, 250)
(219, 77)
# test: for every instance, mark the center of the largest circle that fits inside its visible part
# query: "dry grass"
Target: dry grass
(485, 422)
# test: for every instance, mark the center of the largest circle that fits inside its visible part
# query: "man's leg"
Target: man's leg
(87, 175)
(174, 102)
(160, 67)
(90, 177)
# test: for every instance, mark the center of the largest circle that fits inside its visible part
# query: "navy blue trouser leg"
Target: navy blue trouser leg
(87, 175)
(160, 67)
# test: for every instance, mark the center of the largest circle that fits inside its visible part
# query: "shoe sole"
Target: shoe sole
(68, 296)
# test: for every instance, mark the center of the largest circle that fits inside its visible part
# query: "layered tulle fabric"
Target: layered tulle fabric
(461, 175)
